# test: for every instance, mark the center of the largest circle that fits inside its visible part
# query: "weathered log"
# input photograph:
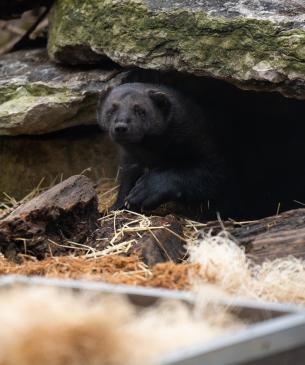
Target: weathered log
(269, 238)
(10, 9)
(159, 241)
(68, 211)
(161, 245)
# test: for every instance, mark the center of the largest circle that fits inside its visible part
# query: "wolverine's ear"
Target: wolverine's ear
(161, 100)
(100, 101)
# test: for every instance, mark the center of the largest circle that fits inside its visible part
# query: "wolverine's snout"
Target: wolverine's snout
(121, 128)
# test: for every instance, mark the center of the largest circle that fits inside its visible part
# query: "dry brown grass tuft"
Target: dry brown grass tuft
(111, 269)
(106, 192)
(215, 260)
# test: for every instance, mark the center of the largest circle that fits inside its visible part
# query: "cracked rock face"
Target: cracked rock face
(38, 97)
(255, 44)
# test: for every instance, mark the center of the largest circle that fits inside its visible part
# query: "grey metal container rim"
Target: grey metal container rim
(158, 293)
(281, 327)
(258, 341)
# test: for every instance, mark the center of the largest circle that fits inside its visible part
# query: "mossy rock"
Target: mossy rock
(39, 97)
(255, 45)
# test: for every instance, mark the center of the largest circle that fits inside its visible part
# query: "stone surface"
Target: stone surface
(253, 44)
(26, 161)
(68, 211)
(38, 97)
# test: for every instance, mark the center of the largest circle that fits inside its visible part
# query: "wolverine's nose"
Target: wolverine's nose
(121, 128)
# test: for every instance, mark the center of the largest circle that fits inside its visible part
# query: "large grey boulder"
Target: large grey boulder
(254, 44)
(38, 97)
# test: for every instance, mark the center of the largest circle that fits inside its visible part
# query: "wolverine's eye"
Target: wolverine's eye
(111, 110)
(139, 111)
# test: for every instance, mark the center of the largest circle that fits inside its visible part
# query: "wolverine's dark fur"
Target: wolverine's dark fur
(168, 149)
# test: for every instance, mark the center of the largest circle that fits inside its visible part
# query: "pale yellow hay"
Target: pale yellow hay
(224, 264)
(45, 326)
(283, 280)
(107, 192)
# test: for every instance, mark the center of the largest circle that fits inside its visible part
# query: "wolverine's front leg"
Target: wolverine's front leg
(152, 189)
(129, 172)
(190, 184)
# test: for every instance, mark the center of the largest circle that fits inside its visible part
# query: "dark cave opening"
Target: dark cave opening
(262, 135)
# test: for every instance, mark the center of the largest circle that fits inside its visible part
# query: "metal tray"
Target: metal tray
(275, 336)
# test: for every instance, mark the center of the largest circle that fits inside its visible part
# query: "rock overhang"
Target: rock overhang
(257, 46)
(39, 97)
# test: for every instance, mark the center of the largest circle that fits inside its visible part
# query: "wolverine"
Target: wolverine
(168, 150)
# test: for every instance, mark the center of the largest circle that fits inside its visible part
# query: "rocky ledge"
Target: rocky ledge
(38, 96)
(257, 45)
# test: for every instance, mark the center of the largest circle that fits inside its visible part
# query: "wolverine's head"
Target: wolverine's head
(130, 112)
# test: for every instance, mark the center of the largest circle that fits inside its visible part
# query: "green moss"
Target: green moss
(18, 98)
(11, 92)
(131, 33)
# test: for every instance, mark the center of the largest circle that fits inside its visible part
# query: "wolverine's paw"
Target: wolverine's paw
(116, 206)
(151, 190)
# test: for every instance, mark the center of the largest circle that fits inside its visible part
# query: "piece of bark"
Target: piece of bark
(161, 245)
(68, 211)
(269, 238)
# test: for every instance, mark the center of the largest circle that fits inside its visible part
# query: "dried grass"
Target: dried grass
(112, 269)
(216, 260)
(224, 264)
(45, 326)
(120, 230)
(126, 222)
(106, 192)
(9, 203)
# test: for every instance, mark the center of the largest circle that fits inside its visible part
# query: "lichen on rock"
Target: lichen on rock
(38, 97)
(41, 111)
(253, 46)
